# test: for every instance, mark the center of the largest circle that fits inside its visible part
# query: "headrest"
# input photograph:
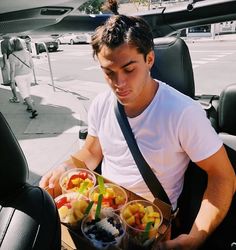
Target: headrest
(13, 165)
(173, 64)
(227, 107)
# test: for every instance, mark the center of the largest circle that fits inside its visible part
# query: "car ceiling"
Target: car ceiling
(62, 16)
(24, 15)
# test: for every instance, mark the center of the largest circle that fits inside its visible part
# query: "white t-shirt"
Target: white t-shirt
(170, 131)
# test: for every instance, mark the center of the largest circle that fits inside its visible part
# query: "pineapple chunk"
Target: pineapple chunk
(154, 214)
(63, 211)
(141, 208)
(119, 200)
(131, 220)
(110, 193)
(80, 205)
(149, 209)
(90, 183)
(134, 208)
(157, 222)
(76, 181)
(95, 197)
(78, 214)
(127, 213)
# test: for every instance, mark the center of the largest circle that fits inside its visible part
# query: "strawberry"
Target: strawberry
(70, 184)
(83, 175)
(61, 202)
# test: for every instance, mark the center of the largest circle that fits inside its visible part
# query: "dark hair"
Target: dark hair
(120, 29)
(110, 5)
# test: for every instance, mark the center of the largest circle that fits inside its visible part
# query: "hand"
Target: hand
(50, 181)
(182, 242)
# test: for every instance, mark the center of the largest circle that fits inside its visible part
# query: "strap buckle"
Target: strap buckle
(174, 213)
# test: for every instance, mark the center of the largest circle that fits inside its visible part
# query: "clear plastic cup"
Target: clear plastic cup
(136, 215)
(71, 208)
(77, 180)
(104, 232)
(114, 197)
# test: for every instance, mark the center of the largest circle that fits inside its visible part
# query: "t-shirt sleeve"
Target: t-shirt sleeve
(197, 137)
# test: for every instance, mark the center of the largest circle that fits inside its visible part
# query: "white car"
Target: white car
(73, 38)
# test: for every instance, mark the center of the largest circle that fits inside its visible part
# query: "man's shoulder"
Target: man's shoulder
(173, 96)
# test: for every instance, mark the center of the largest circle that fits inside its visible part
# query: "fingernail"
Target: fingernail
(51, 185)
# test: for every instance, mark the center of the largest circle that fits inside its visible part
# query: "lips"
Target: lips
(122, 93)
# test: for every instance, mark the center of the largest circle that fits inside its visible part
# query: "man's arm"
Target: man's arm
(215, 203)
(89, 156)
(218, 194)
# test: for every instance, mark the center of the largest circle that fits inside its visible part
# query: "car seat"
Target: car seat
(173, 64)
(227, 120)
(28, 215)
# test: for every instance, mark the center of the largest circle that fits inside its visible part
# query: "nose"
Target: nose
(120, 80)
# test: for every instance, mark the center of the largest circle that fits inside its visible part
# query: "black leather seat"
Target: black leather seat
(227, 119)
(28, 215)
(173, 64)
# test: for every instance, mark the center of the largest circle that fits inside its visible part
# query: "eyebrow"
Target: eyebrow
(125, 65)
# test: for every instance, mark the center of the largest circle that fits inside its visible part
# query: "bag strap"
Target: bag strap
(21, 61)
(149, 177)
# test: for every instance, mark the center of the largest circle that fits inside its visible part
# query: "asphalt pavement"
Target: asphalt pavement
(53, 135)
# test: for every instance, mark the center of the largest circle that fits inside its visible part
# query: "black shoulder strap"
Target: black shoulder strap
(149, 177)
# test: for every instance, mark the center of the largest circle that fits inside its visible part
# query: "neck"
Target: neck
(133, 111)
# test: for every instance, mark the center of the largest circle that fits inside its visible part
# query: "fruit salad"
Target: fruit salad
(77, 180)
(114, 196)
(143, 220)
(71, 207)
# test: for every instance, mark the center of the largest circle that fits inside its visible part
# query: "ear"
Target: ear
(150, 58)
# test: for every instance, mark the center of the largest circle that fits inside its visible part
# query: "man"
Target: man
(170, 129)
(5, 67)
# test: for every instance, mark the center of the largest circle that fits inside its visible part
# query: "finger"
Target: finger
(44, 182)
(167, 245)
(50, 191)
(54, 179)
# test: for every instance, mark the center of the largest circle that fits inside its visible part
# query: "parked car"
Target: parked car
(71, 38)
(51, 43)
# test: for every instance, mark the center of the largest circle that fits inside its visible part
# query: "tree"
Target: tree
(91, 7)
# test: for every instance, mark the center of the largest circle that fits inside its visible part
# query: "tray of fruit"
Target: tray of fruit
(143, 222)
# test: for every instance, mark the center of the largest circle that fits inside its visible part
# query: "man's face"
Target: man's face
(127, 72)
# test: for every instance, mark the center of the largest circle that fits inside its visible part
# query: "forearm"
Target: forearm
(83, 159)
(89, 156)
(215, 204)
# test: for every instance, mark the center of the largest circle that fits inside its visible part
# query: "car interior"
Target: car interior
(24, 208)
(32, 207)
